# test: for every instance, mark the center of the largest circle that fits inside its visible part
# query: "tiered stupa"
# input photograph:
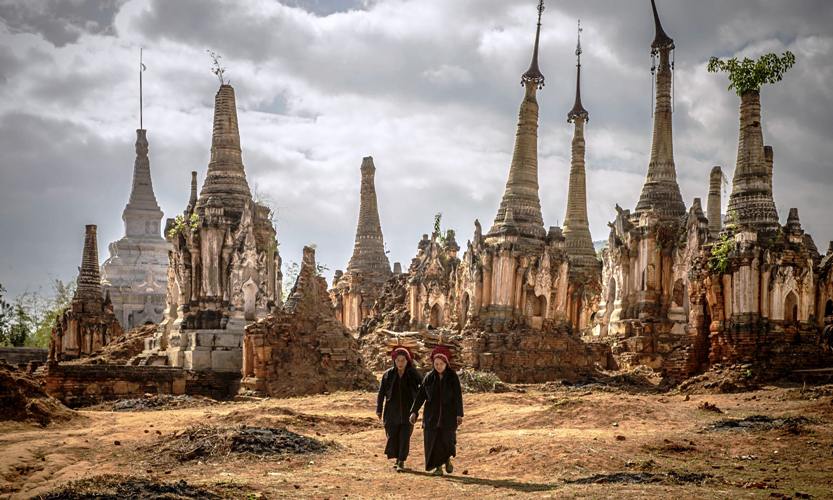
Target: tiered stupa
(355, 291)
(225, 268)
(136, 273)
(88, 323)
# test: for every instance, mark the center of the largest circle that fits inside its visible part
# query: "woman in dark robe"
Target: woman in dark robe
(397, 391)
(443, 398)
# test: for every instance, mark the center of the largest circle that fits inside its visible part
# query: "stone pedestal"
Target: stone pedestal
(215, 350)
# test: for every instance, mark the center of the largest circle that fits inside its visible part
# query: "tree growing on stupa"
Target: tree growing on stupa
(751, 204)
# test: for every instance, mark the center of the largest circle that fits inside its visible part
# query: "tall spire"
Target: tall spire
(142, 215)
(715, 185)
(89, 278)
(520, 208)
(141, 70)
(661, 40)
(578, 110)
(369, 249)
(533, 74)
(661, 191)
(578, 241)
(226, 177)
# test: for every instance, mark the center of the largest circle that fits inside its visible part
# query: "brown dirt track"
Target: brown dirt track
(550, 441)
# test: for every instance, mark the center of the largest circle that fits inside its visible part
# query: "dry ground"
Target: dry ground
(551, 441)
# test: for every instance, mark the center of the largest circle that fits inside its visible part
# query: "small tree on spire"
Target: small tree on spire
(751, 74)
(216, 68)
(751, 204)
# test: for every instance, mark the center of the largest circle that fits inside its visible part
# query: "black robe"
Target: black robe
(397, 394)
(443, 398)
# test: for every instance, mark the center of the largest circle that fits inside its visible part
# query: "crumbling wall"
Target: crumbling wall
(84, 385)
(302, 348)
(525, 355)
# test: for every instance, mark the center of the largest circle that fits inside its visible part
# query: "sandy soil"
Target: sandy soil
(564, 442)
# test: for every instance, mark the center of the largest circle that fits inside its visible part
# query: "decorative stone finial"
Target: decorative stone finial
(578, 110)
(661, 40)
(533, 74)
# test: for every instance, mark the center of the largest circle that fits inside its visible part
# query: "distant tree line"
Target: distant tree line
(28, 319)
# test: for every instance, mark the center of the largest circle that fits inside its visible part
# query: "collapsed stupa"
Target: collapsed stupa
(302, 348)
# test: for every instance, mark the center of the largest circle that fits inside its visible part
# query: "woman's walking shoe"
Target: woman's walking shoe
(400, 465)
(438, 471)
(448, 467)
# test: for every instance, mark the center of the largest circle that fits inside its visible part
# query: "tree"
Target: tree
(750, 75)
(5, 315)
(22, 324)
(49, 311)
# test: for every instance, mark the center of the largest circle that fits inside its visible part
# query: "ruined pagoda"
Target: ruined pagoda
(224, 267)
(661, 193)
(88, 323)
(644, 283)
(751, 204)
(135, 274)
(576, 230)
(520, 208)
(355, 291)
(516, 274)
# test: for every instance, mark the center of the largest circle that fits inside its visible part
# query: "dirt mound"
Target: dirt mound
(639, 380)
(119, 487)
(793, 425)
(121, 349)
(722, 379)
(670, 478)
(270, 417)
(22, 399)
(154, 402)
(204, 441)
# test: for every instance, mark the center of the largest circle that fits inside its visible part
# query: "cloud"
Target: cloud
(429, 88)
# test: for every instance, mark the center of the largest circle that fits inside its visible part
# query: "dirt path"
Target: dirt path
(560, 443)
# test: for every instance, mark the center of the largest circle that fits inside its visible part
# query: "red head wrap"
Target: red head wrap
(442, 352)
(403, 351)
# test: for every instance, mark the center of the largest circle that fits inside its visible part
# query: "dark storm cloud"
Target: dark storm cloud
(429, 88)
(60, 21)
(54, 182)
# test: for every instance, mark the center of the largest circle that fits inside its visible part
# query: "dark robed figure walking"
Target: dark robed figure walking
(397, 392)
(443, 398)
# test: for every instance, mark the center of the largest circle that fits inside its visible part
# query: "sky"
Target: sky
(429, 88)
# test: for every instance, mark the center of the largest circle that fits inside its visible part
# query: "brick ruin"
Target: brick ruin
(681, 292)
(355, 291)
(302, 348)
(224, 269)
(136, 273)
(89, 322)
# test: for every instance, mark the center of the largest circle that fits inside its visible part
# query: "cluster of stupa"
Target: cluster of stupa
(682, 292)
(675, 289)
(656, 294)
(518, 274)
